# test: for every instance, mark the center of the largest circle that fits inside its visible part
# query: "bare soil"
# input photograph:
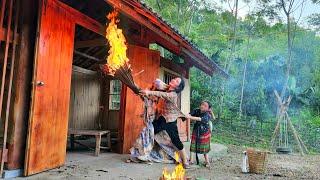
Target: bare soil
(226, 165)
(278, 167)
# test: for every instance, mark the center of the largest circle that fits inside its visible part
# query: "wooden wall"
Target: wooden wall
(184, 126)
(112, 121)
(21, 85)
(17, 40)
(132, 107)
(84, 100)
(109, 118)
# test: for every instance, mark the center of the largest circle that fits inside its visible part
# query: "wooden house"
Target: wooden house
(50, 51)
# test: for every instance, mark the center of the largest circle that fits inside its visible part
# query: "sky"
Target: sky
(308, 9)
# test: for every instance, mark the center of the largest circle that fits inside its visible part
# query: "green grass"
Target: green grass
(238, 140)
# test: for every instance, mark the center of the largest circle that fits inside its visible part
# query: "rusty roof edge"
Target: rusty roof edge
(219, 69)
(214, 65)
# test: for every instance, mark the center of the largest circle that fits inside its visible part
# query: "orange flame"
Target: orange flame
(118, 48)
(177, 174)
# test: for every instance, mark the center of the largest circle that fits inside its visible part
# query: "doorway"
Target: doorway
(94, 96)
(51, 85)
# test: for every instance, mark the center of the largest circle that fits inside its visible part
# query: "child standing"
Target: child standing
(201, 134)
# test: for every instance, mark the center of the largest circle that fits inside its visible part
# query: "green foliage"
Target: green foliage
(314, 20)
(261, 47)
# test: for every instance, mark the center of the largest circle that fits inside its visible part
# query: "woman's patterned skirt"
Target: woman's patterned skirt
(200, 145)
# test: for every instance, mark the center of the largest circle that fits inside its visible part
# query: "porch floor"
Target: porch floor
(84, 165)
(226, 165)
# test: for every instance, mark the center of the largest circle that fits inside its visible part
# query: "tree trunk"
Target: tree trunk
(158, 4)
(190, 22)
(228, 62)
(289, 52)
(179, 11)
(243, 79)
(234, 31)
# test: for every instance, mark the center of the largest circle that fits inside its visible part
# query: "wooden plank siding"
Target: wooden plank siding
(85, 95)
(3, 34)
(148, 61)
(15, 54)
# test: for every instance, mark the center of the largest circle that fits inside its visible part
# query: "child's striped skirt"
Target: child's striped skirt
(203, 145)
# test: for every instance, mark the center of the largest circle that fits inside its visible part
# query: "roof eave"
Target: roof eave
(133, 9)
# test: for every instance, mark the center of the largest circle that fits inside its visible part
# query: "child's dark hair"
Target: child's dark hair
(208, 102)
(181, 86)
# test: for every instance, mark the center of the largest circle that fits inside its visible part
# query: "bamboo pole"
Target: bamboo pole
(303, 145)
(277, 128)
(4, 68)
(295, 134)
(7, 113)
(275, 133)
(5, 61)
(2, 10)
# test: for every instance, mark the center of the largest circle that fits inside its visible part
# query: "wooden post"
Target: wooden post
(21, 85)
(72, 141)
(98, 143)
(2, 10)
(4, 70)
(109, 140)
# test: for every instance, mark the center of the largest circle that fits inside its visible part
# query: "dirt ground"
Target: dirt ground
(278, 167)
(226, 165)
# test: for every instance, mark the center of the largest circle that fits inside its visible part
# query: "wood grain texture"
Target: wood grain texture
(84, 101)
(3, 34)
(82, 19)
(4, 154)
(21, 86)
(148, 61)
(48, 122)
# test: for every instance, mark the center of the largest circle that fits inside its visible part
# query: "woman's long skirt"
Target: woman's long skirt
(201, 144)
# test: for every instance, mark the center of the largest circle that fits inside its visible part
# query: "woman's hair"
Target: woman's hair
(181, 86)
(208, 102)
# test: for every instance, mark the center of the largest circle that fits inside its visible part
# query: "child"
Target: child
(201, 135)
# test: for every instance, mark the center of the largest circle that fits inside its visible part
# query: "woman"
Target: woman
(168, 112)
(201, 134)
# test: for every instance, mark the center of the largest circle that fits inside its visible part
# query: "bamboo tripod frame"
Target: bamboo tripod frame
(284, 118)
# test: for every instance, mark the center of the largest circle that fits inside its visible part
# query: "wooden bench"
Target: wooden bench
(96, 133)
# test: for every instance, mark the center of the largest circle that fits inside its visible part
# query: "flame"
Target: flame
(118, 48)
(177, 174)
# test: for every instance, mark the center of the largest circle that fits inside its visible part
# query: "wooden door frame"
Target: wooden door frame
(122, 117)
(76, 17)
(123, 102)
(30, 144)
